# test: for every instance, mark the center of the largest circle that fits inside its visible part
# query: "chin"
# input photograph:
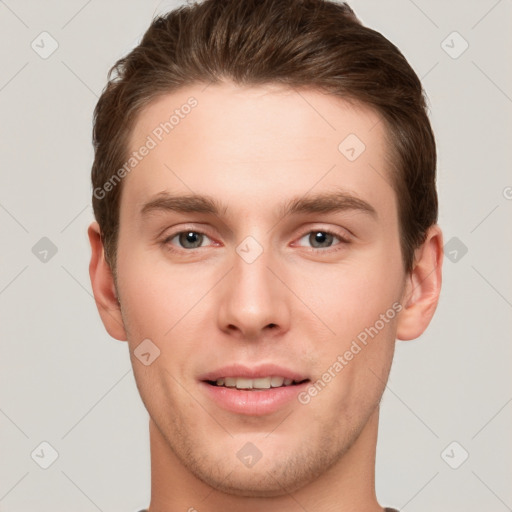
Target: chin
(282, 468)
(256, 483)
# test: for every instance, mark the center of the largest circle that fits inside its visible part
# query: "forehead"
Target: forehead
(248, 143)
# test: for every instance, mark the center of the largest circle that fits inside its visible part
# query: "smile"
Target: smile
(258, 384)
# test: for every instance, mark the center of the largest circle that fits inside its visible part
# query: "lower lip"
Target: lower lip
(253, 403)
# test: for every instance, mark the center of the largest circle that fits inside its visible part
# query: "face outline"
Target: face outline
(271, 310)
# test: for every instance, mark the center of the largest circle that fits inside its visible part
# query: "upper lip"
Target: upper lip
(253, 372)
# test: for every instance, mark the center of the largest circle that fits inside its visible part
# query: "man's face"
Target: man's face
(254, 290)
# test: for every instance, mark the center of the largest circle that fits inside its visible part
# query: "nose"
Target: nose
(253, 303)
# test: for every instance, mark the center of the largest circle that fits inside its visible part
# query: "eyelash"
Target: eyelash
(343, 240)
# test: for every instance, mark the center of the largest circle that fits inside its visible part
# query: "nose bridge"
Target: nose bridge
(253, 298)
(252, 279)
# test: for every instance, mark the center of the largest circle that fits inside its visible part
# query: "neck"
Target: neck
(348, 485)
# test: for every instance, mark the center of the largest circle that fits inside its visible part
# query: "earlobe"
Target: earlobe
(423, 287)
(103, 286)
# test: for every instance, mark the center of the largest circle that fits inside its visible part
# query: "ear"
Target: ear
(103, 286)
(422, 288)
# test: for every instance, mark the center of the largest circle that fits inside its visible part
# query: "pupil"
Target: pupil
(321, 238)
(190, 239)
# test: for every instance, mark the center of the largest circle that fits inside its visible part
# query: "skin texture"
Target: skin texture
(298, 305)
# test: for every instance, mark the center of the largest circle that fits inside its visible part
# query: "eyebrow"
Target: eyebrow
(326, 202)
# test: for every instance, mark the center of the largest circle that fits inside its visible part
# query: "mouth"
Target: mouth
(254, 391)
(258, 384)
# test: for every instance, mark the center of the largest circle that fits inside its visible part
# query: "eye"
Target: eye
(321, 239)
(187, 239)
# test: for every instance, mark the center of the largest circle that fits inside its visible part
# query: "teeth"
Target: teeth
(276, 382)
(263, 383)
(259, 383)
(243, 383)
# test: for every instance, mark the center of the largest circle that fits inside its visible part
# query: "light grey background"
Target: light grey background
(63, 380)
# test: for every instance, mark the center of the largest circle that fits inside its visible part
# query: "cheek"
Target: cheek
(351, 296)
(358, 301)
(157, 295)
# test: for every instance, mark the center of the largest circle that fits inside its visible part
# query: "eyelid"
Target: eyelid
(341, 233)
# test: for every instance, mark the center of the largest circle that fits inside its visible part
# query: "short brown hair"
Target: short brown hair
(316, 44)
